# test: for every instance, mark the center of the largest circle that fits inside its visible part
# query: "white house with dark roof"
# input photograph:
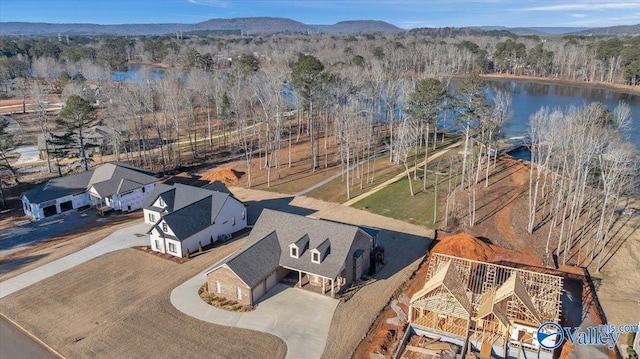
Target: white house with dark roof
(111, 185)
(185, 217)
(321, 255)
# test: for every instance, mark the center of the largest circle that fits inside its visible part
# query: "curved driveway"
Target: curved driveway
(299, 317)
(120, 239)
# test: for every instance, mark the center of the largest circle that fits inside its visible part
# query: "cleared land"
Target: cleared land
(117, 306)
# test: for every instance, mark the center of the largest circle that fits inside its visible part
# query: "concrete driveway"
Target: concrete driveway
(123, 238)
(299, 317)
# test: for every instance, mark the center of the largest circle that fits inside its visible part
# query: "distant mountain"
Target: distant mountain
(358, 26)
(249, 25)
(536, 30)
(623, 30)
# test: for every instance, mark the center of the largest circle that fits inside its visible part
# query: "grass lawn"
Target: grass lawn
(336, 191)
(395, 201)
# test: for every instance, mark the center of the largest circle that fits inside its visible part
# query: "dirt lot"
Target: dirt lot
(117, 306)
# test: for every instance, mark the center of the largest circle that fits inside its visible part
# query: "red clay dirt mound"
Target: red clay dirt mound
(466, 246)
(227, 176)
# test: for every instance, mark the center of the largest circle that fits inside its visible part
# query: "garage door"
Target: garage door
(258, 291)
(50, 210)
(271, 280)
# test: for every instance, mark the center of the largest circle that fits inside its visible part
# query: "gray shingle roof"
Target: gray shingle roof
(59, 187)
(191, 209)
(107, 179)
(257, 260)
(288, 229)
(112, 178)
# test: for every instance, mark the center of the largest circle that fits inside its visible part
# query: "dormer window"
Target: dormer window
(319, 253)
(293, 251)
(315, 257)
(161, 202)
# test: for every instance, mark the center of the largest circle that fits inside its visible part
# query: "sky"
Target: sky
(402, 13)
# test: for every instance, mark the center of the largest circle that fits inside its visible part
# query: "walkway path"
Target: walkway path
(340, 173)
(301, 318)
(399, 176)
(120, 239)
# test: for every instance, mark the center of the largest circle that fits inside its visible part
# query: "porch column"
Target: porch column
(410, 313)
(300, 279)
(323, 291)
(332, 289)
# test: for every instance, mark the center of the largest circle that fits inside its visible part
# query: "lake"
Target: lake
(527, 98)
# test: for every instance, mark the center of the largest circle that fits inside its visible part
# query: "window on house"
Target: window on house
(161, 202)
(233, 221)
(142, 189)
(315, 257)
(164, 226)
(243, 215)
(218, 287)
(239, 293)
(172, 247)
(157, 244)
(152, 217)
(294, 252)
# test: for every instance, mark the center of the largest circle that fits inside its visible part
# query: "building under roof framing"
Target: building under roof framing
(485, 304)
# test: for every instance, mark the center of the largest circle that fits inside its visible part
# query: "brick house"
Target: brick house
(319, 255)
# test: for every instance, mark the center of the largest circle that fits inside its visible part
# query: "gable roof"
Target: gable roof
(107, 179)
(447, 276)
(514, 287)
(115, 177)
(256, 261)
(288, 229)
(191, 209)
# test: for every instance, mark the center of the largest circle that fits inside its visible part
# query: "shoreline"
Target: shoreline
(631, 90)
(628, 89)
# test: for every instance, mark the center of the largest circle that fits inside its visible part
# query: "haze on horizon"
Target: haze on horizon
(406, 14)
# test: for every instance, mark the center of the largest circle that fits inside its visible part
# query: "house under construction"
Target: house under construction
(490, 306)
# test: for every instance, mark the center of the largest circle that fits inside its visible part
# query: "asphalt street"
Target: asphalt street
(14, 344)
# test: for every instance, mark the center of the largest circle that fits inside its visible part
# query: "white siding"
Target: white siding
(223, 225)
(148, 220)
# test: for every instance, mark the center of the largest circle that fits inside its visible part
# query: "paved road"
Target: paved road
(299, 317)
(14, 344)
(123, 238)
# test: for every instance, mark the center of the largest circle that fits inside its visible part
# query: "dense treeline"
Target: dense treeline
(432, 51)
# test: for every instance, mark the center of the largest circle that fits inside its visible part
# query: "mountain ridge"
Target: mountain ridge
(246, 25)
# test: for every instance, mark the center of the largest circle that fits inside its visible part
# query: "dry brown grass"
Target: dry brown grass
(117, 306)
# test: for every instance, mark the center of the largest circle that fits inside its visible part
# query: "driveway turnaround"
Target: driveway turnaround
(299, 317)
(123, 238)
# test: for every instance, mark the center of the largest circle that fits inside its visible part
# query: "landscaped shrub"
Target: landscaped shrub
(199, 247)
(188, 253)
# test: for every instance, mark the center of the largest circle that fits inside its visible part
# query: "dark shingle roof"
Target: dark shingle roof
(59, 187)
(107, 179)
(290, 228)
(191, 209)
(256, 260)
